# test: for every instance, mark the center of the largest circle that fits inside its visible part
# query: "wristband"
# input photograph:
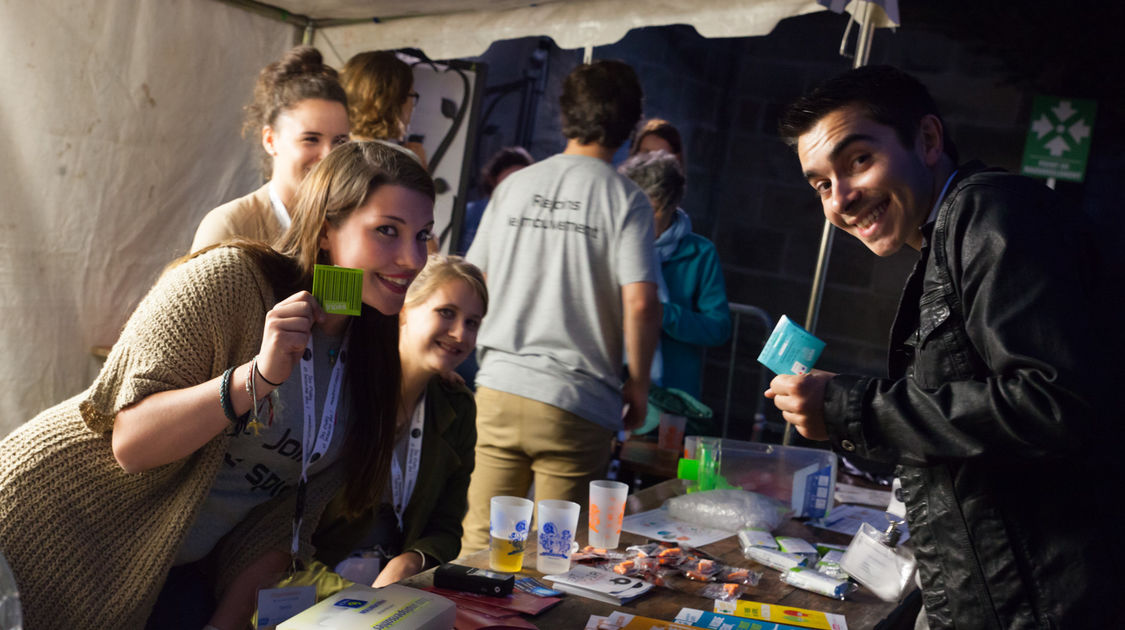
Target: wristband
(224, 396)
(263, 376)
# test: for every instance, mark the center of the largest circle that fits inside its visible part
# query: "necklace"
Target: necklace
(332, 353)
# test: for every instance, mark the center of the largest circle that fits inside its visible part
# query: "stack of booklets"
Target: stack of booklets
(784, 616)
(601, 585)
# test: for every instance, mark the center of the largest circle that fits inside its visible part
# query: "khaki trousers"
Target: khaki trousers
(520, 440)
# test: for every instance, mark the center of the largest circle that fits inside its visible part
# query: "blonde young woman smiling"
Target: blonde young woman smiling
(300, 111)
(418, 522)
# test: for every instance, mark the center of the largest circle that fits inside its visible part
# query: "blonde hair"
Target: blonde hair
(440, 270)
(339, 184)
(377, 83)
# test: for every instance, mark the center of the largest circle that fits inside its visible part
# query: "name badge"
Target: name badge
(276, 605)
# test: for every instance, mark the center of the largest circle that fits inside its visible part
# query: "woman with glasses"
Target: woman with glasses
(381, 98)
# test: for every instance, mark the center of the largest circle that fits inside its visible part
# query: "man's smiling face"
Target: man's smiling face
(870, 185)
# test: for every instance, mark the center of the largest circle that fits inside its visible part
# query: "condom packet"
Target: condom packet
(815, 582)
(790, 349)
(774, 559)
(754, 537)
(799, 546)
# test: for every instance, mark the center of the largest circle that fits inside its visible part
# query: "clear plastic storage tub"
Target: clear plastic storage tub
(803, 477)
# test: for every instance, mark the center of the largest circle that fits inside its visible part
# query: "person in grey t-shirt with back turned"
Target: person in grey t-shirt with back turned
(567, 248)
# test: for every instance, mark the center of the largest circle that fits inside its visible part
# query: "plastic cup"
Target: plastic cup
(607, 508)
(671, 432)
(508, 524)
(558, 521)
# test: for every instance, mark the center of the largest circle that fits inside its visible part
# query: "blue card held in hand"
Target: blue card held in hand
(790, 349)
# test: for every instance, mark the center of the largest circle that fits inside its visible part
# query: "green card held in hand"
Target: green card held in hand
(338, 289)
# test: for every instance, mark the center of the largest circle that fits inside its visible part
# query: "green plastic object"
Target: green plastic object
(704, 470)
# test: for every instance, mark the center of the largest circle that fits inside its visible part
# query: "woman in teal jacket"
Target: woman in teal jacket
(694, 295)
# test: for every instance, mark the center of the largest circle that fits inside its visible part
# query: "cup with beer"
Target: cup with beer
(508, 524)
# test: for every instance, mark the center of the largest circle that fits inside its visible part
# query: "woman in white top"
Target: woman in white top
(301, 112)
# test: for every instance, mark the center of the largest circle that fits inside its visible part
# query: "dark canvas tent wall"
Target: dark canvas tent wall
(119, 121)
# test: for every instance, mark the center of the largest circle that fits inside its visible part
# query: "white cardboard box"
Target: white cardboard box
(394, 606)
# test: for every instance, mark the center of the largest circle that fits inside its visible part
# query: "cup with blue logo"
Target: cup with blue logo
(509, 522)
(557, 522)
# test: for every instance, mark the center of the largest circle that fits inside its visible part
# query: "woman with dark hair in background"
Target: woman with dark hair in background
(502, 164)
(300, 111)
(657, 134)
(182, 464)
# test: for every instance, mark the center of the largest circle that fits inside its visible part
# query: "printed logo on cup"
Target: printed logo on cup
(553, 542)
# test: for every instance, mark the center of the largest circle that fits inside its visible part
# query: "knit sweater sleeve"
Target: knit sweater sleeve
(201, 317)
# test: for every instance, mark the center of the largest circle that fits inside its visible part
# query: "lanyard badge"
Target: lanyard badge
(318, 439)
(402, 488)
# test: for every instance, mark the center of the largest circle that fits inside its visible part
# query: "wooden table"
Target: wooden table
(862, 609)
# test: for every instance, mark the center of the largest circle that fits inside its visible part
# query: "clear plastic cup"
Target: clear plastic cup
(557, 521)
(508, 524)
(607, 509)
(671, 432)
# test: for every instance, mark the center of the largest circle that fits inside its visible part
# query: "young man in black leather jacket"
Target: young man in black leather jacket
(993, 412)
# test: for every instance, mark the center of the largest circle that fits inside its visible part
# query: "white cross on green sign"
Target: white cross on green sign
(1058, 141)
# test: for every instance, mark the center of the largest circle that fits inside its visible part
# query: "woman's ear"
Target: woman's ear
(322, 240)
(269, 140)
(931, 139)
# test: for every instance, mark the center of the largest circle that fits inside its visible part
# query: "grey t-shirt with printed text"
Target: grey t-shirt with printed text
(258, 467)
(558, 241)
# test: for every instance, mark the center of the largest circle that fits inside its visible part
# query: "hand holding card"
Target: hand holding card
(286, 334)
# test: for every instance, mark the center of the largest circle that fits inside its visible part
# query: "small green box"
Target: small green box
(338, 289)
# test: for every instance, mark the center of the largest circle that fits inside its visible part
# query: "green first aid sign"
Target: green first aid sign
(1058, 141)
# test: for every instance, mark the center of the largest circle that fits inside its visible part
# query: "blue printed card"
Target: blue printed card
(790, 349)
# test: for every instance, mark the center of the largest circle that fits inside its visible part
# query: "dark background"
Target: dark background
(983, 65)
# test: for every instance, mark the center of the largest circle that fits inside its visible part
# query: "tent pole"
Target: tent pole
(812, 314)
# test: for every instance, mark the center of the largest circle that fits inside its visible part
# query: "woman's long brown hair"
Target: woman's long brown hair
(337, 186)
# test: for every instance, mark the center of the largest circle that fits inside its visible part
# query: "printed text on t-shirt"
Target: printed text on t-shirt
(555, 204)
(551, 224)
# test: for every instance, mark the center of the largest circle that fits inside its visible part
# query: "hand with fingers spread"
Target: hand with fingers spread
(801, 401)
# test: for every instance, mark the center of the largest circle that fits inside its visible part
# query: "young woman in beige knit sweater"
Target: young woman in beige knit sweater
(156, 467)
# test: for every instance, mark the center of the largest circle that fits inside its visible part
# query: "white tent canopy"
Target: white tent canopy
(571, 24)
(120, 123)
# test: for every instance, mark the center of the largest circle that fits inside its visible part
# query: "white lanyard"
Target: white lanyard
(311, 436)
(402, 489)
(279, 210)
